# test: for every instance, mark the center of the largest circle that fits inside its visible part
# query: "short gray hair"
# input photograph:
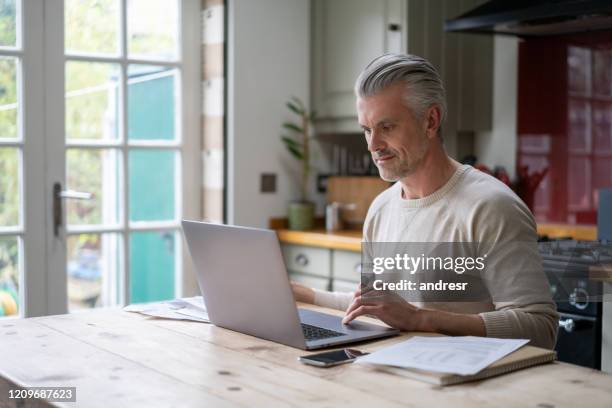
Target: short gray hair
(423, 82)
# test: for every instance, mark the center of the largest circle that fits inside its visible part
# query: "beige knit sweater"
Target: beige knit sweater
(472, 207)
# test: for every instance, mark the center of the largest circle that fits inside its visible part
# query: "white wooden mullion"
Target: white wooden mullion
(19, 10)
(92, 145)
(154, 225)
(190, 137)
(121, 60)
(10, 52)
(133, 226)
(161, 144)
(11, 231)
(124, 278)
(118, 145)
(11, 143)
(93, 229)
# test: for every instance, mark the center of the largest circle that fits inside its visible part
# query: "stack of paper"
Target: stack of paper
(191, 308)
(456, 355)
(453, 360)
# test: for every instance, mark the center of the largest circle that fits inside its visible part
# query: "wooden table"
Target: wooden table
(120, 359)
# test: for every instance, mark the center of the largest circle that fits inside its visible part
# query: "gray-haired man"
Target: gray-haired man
(401, 106)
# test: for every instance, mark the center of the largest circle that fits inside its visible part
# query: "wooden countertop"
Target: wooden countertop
(116, 358)
(601, 273)
(578, 232)
(351, 240)
(345, 240)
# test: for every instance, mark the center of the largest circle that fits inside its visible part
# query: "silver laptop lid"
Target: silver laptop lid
(244, 282)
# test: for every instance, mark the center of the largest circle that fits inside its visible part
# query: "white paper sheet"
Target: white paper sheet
(178, 309)
(456, 355)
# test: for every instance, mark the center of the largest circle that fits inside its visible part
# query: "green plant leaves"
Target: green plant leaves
(290, 142)
(293, 147)
(295, 152)
(293, 126)
(295, 108)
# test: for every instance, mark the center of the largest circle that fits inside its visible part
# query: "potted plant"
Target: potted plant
(300, 212)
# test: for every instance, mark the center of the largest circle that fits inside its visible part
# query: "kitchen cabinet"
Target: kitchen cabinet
(323, 268)
(307, 260)
(347, 34)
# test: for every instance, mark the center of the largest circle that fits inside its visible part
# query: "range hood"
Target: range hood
(534, 18)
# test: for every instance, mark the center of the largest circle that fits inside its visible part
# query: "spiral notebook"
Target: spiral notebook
(526, 356)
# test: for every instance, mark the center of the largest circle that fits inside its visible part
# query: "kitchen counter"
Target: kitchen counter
(601, 273)
(115, 358)
(350, 240)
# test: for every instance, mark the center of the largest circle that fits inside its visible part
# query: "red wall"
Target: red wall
(565, 123)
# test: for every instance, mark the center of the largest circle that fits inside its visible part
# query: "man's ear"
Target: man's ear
(432, 123)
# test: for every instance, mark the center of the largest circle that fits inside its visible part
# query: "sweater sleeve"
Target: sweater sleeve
(333, 300)
(537, 322)
(514, 276)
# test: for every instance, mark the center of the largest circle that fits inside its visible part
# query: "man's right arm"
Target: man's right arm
(302, 293)
(332, 300)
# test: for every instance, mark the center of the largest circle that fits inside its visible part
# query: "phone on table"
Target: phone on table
(332, 358)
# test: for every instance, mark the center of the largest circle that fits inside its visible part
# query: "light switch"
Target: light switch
(268, 183)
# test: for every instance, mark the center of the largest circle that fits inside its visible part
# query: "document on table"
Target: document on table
(456, 355)
(191, 308)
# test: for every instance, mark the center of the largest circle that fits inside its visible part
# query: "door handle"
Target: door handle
(58, 196)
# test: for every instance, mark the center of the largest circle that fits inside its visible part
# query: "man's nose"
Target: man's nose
(376, 142)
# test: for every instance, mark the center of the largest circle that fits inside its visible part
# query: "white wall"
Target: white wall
(498, 147)
(268, 62)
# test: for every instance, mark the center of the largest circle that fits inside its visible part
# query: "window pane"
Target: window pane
(8, 26)
(92, 26)
(8, 97)
(92, 100)
(151, 102)
(9, 187)
(153, 29)
(9, 276)
(94, 261)
(95, 171)
(152, 184)
(152, 256)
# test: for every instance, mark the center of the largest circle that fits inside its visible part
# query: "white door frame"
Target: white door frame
(33, 286)
(55, 160)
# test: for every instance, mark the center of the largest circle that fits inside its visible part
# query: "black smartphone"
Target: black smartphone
(332, 358)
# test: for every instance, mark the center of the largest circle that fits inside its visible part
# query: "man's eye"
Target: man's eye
(388, 128)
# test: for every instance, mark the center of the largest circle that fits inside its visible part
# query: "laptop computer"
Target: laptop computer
(245, 286)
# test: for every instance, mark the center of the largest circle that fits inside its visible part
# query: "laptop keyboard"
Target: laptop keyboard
(318, 333)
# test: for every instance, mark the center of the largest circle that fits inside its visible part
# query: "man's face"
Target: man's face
(396, 140)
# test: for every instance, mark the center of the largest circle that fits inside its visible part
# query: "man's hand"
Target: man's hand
(396, 312)
(302, 293)
(388, 307)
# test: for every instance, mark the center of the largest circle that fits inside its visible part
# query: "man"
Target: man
(401, 106)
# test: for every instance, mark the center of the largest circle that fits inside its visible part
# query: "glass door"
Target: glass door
(120, 154)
